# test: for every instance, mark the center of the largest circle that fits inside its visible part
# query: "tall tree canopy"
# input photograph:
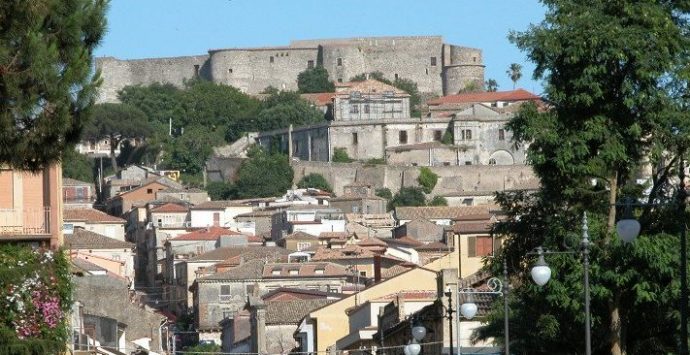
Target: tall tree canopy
(514, 73)
(264, 174)
(608, 68)
(314, 80)
(116, 122)
(46, 80)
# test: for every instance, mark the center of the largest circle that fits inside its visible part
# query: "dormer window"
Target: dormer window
(275, 272)
(319, 271)
(293, 272)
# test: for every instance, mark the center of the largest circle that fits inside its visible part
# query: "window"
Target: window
(426, 71)
(196, 70)
(479, 246)
(363, 273)
(354, 108)
(227, 313)
(340, 62)
(366, 108)
(149, 191)
(293, 272)
(396, 76)
(275, 272)
(303, 246)
(438, 135)
(402, 137)
(271, 59)
(468, 163)
(492, 161)
(466, 134)
(433, 61)
(310, 64)
(216, 219)
(501, 135)
(318, 271)
(355, 209)
(230, 70)
(225, 295)
(355, 139)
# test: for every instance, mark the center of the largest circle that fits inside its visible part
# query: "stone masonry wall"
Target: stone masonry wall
(117, 74)
(451, 178)
(251, 70)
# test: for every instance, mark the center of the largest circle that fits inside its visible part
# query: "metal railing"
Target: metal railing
(27, 221)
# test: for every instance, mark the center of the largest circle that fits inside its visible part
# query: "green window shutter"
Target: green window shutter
(471, 247)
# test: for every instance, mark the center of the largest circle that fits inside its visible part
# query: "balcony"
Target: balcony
(30, 221)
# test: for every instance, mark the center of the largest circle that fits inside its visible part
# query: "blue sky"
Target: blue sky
(162, 28)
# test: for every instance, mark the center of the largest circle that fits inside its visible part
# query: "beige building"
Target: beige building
(95, 221)
(116, 256)
(31, 205)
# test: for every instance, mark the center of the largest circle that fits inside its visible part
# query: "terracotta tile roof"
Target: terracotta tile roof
(83, 239)
(410, 295)
(473, 227)
(435, 246)
(170, 208)
(438, 212)
(404, 241)
(475, 97)
(354, 197)
(249, 270)
(299, 235)
(307, 269)
(396, 270)
(248, 252)
(348, 252)
(301, 291)
(216, 205)
(372, 242)
(333, 235)
(211, 233)
(89, 215)
(319, 99)
(292, 312)
(82, 265)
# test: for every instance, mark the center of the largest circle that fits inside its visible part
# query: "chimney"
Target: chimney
(377, 268)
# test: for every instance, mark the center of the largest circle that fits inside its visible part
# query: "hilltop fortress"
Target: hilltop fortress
(438, 68)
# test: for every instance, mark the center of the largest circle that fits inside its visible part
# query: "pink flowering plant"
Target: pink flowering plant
(35, 289)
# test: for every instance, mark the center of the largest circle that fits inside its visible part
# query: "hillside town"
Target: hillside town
(346, 196)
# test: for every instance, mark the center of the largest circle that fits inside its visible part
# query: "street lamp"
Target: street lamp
(468, 309)
(628, 229)
(413, 347)
(541, 273)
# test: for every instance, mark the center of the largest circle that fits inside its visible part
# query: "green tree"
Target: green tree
(116, 122)
(202, 349)
(77, 166)
(316, 181)
(340, 156)
(220, 190)
(314, 80)
(491, 85)
(264, 174)
(408, 196)
(384, 192)
(438, 201)
(610, 107)
(46, 81)
(281, 109)
(514, 73)
(427, 179)
(189, 151)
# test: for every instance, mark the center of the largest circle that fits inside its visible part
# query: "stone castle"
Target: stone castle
(438, 68)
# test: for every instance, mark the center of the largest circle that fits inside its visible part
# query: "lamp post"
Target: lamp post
(413, 347)
(468, 309)
(628, 229)
(541, 273)
(449, 314)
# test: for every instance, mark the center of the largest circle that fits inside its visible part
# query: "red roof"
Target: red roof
(319, 99)
(474, 97)
(170, 207)
(211, 233)
(89, 215)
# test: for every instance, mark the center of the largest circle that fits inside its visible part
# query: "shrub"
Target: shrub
(316, 181)
(438, 201)
(427, 179)
(340, 156)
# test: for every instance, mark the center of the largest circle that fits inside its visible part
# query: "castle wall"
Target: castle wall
(117, 74)
(406, 57)
(452, 179)
(463, 66)
(252, 70)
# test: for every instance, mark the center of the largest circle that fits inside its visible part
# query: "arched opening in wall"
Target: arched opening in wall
(396, 76)
(501, 157)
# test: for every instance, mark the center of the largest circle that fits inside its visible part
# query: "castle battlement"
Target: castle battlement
(438, 68)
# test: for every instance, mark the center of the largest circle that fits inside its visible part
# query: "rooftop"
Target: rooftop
(476, 97)
(210, 233)
(170, 208)
(439, 212)
(292, 312)
(83, 239)
(369, 86)
(89, 215)
(248, 252)
(74, 182)
(215, 205)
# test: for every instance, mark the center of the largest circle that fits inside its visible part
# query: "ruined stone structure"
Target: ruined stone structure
(438, 68)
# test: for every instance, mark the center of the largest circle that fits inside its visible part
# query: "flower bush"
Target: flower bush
(35, 290)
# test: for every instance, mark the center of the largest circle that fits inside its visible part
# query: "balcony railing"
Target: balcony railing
(28, 221)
